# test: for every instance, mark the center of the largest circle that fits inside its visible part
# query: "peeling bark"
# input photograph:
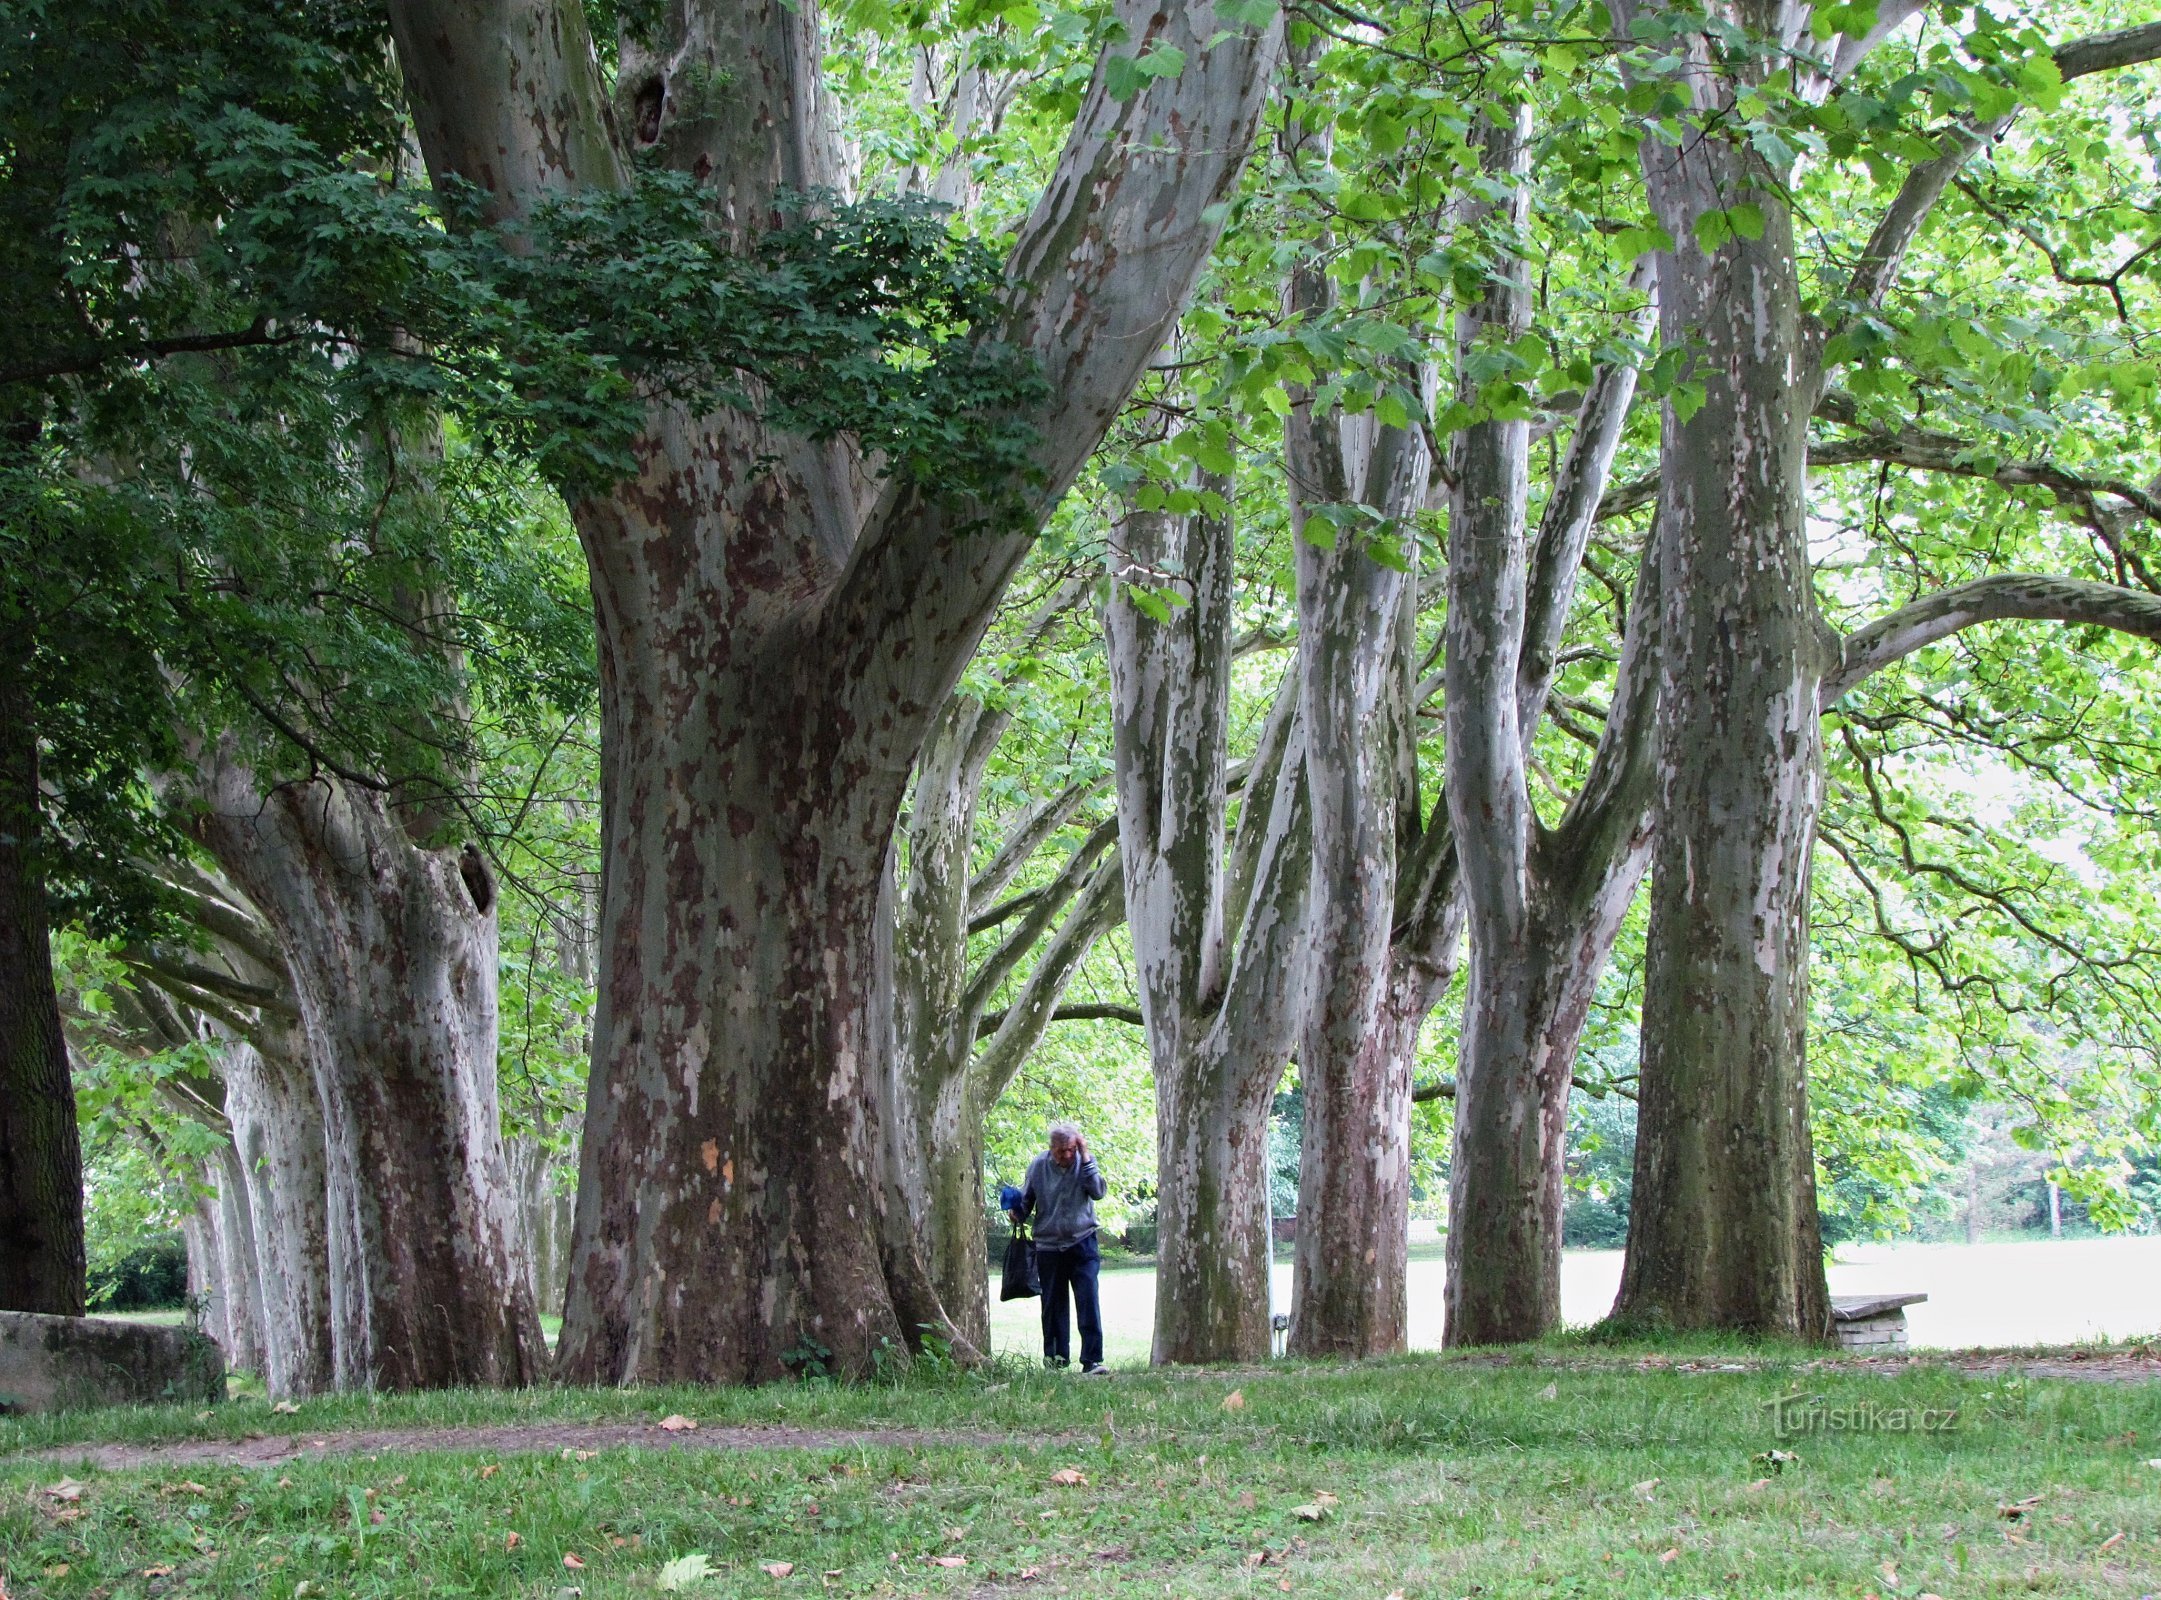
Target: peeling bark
(391, 953)
(1544, 905)
(1219, 938)
(774, 647)
(281, 1160)
(1723, 1229)
(1362, 1017)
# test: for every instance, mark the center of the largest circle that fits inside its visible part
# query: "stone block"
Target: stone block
(75, 1363)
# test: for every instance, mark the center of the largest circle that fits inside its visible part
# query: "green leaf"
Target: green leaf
(1162, 61)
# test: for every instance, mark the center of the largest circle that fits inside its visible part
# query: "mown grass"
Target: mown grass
(1568, 1473)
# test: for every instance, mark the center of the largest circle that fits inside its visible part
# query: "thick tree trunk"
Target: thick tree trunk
(1722, 1228)
(277, 1131)
(391, 952)
(1363, 1013)
(1212, 1245)
(1350, 1263)
(772, 653)
(41, 1167)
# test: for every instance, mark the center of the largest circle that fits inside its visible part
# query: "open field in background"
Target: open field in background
(2043, 1291)
(1554, 1474)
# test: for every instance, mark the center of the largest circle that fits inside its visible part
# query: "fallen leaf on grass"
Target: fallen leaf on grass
(574, 1562)
(1245, 1500)
(1645, 1487)
(59, 1569)
(1551, 1391)
(1235, 1400)
(776, 1569)
(684, 1571)
(65, 1489)
(1311, 1513)
(1069, 1477)
(947, 1561)
(157, 1572)
(585, 1455)
(1323, 1497)
(1776, 1460)
(1667, 1556)
(285, 1408)
(1030, 1574)
(491, 1469)
(511, 1541)
(2018, 1508)
(2111, 1542)
(677, 1423)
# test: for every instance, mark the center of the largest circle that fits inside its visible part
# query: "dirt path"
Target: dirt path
(2138, 1364)
(269, 1450)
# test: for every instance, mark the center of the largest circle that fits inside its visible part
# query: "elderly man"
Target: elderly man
(1060, 1192)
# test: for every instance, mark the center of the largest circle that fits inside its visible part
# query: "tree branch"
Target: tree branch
(2001, 596)
(1885, 252)
(991, 1021)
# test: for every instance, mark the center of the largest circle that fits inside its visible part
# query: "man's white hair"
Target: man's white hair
(1065, 1128)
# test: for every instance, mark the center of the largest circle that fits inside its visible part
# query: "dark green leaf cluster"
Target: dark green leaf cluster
(863, 319)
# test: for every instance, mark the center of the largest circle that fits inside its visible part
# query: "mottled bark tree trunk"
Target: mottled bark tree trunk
(277, 1131)
(1219, 938)
(391, 952)
(1349, 1277)
(1722, 1227)
(1544, 905)
(41, 1167)
(772, 652)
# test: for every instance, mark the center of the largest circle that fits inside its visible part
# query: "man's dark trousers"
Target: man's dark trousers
(1076, 1265)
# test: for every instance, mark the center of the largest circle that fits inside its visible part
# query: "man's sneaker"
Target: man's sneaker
(1096, 1370)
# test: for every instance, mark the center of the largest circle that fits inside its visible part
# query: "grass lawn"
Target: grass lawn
(1569, 1472)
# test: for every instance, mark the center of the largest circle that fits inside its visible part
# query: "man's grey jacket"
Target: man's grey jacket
(1062, 1200)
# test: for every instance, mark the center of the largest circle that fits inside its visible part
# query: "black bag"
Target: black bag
(1020, 1281)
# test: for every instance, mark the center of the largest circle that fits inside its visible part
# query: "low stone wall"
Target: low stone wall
(1887, 1332)
(75, 1363)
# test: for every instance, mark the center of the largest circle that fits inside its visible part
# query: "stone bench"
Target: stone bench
(73, 1363)
(1872, 1321)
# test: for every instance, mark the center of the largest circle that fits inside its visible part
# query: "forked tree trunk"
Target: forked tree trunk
(1219, 938)
(41, 1166)
(391, 950)
(1722, 1227)
(1349, 1273)
(772, 653)
(1544, 905)
(277, 1132)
